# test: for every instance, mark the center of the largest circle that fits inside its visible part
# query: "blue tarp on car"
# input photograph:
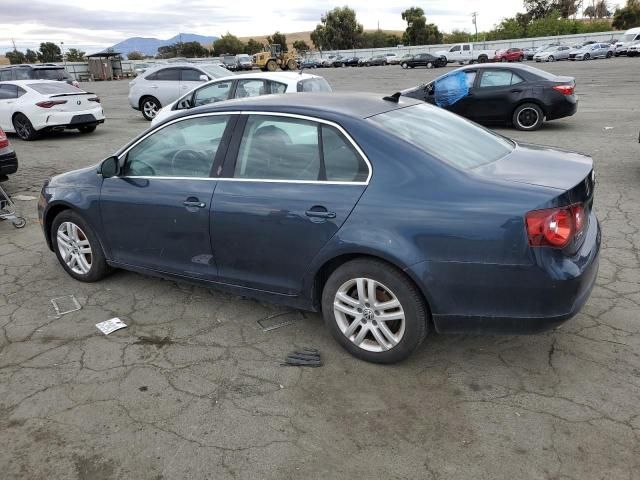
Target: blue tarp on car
(451, 88)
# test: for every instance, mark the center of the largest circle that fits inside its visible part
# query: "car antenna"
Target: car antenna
(395, 98)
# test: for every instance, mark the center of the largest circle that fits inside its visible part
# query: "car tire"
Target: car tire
(429, 65)
(609, 54)
(23, 127)
(587, 56)
(149, 106)
(503, 60)
(404, 65)
(551, 58)
(520, 58)
(81, 254)
(483, 59)
(87, 128)
(363, 334)
(528, 117)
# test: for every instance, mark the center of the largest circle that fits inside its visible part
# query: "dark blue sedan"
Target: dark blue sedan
(390, 216)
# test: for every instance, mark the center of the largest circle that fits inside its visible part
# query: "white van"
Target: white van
(629, 36)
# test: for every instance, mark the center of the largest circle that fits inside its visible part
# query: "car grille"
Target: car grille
(572, 55)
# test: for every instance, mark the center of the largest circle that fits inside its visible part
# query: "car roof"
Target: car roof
(284, 76)
(351, 104)
(29, 81)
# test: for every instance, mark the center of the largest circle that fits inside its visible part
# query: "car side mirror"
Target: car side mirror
(109, 167)
(204, 78)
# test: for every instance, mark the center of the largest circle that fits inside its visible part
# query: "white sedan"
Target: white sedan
(241, 86)
(29, 107)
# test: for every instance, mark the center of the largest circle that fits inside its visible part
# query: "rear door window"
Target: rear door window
(216, 92)
(5, 75)
(253, 87)
(166, 74)
(190, 75)
(8, 92)
(317, 84)
(498, 78)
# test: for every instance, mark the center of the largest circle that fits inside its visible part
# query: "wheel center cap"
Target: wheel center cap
(367, 313)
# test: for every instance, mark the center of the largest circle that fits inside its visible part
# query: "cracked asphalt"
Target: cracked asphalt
(193, 387)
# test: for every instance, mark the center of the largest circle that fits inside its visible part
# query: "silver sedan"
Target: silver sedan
(552, 54)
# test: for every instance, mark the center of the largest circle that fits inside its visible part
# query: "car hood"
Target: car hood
(540, 165)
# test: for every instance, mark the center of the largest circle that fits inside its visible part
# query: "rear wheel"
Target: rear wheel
(150, 106)
(551, 58)
(291, 64)
(77, 248)
(503, 60)
(483, 59)
(23, 127)
(587, 56)
(87, 128)
(609, 54)
(374, 311)
(528, 117)
(429, 65)
(272, 66)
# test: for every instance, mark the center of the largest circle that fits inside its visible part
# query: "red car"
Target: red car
(511, 55)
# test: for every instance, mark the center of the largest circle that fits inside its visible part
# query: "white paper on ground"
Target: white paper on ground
(111, 325)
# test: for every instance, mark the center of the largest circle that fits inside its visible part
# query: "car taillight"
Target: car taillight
(95, 99)
(565, 89)
(4, 141)
(50, 103)
(555, 227)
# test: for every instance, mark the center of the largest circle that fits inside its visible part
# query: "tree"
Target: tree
(49, 52)
(15, 57)
(31, 56)
(301, 46)
(602, 9)
(167, 51)
(590, 11)
(537, 9)
(280, 39)
(627, 17)
(135, 55)
(418, 32)
(191, 50)
(75, 55)
(456, 36)
(252, 47)
(566, 8)
(338, 30)
(378, 39)
(228, 44)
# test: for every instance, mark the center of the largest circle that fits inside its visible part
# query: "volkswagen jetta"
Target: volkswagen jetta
(391, 216)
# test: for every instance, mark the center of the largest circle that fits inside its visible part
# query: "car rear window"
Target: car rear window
(54, 88)
(50, 74)
(445, 136)
(317, 84)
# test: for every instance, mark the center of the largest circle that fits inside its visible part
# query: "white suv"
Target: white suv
(162, 85)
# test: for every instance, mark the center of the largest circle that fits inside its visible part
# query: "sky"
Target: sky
(93, 25)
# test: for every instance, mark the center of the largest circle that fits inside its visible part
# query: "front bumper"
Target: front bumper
(8, 161)
(477, 298)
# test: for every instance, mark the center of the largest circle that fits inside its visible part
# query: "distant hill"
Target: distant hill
(149, 46)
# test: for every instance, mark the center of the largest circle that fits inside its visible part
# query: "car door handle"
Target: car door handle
(320, 213)
(193, 203)
(516, 90)
(154, 86)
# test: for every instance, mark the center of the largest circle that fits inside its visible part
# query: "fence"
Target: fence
(80, 70)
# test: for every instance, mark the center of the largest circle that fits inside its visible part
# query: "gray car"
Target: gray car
(589, 52)
(552, 54)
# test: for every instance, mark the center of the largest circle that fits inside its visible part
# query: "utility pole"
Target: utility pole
(474, 20)
(64, 58)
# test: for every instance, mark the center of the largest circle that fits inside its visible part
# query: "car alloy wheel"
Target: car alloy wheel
(369, 314)
(429, 65)
(528, 117)
(404, 65)
(587, 56)
(23, 127)
(150, 108)
(74, 247)
(551, 58)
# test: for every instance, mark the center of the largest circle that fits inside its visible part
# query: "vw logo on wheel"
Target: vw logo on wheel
(367, 313)
(79, 102)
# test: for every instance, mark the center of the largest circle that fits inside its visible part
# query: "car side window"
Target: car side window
(190, 75)
(216, 92)
(455, 49)
(250, 88)
(466, 48)
(278, 148)
(342, 163)
(498, 78)
(471, 78)
(8, 92)
(166, 74)
(5, 75)
(22, 74)
(276, 87)
(183, 149)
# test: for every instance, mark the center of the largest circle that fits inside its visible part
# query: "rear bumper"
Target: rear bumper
(61, 120)
(476, 298)
(8, 162)
(564, 107)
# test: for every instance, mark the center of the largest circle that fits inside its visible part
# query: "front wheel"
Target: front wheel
(272, 66)
(551, 59)
(87, 128)
(374, 311)
(77, 247)
(429, 65)
(587, 56)
(291, 64)
(23, 128)
(404, 65)
(528, 117)
(609, 54)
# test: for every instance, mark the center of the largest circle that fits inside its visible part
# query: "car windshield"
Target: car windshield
(52, 88)
(445, 136)
(215, 71)
(229, 60)
(317, 84)
(628, 37)
(50, 74)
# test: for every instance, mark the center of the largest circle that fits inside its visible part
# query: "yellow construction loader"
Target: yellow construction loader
(273, 57)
